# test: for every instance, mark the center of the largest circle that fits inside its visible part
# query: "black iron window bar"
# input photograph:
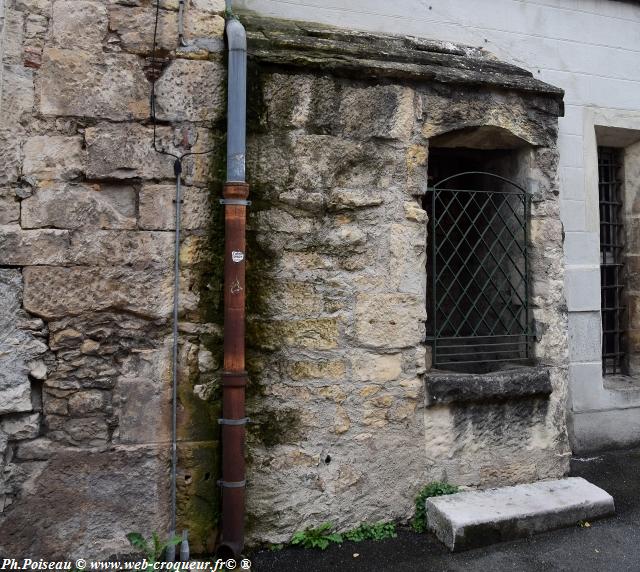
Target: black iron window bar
(614, 355)
(479, 294)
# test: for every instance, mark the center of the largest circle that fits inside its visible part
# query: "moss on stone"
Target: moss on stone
(275, 426)
(198, 417)
(256, 107)
(198, 496)
(210, 272)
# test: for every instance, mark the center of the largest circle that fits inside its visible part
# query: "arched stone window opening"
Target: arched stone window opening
(477, 262)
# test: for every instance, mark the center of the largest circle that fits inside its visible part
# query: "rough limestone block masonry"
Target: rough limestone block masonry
(342, 130)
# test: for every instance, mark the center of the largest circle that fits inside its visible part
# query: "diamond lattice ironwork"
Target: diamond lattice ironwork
(479, 285)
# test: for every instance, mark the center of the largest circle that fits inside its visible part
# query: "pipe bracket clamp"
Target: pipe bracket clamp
(243, 421)
(232, 484)
(233, 379)
(241, 202)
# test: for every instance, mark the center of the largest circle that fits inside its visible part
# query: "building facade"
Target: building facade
(589, 49)
(440, 267)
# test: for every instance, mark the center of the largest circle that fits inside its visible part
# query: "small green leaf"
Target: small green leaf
(137, 540)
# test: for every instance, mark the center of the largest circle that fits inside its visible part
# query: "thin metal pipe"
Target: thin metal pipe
(237, 101)
(176, 296)
(181, 39)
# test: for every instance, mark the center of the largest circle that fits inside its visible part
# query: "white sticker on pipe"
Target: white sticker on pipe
(237, 256)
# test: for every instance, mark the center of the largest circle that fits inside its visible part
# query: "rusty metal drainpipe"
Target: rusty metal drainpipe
(234, 375)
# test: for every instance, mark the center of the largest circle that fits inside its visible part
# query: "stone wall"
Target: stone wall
(342, 428)
(340, 126)
(86, 274)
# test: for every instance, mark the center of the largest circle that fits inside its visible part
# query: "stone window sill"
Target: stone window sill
(447, 387)
(621, 383)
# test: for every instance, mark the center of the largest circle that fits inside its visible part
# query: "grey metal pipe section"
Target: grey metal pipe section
(236, 100)
(181, 9)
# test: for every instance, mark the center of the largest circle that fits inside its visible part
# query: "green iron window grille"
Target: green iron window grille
(478, 270)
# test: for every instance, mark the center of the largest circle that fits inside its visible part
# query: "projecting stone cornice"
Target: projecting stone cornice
(345, 52)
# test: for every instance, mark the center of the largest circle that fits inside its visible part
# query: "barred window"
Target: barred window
(478, 300)
(612, 268)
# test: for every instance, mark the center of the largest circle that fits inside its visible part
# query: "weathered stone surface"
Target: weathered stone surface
(341, 422)
(80, 206)
(54, 406)
(9, 207)
(208, 6)
(38, 370)
(311, 334)
(65, 338)
(10, 140)
(109, 86)
(101, 501)
(18, 95)
(354, 198)
(389, 320)
(384, 111)
(476, 518)
(134, 26)
(374, 367)
(201, 96)
(157, 207)
(289, 298)
(128, 346)
(204, 25)
(414, 213)
(509, 118)
(316, 369)
(149, 424)
(18, 427)
(336, 51)
(25, 247)
(13, 28)
(54, 292)
(85, 431)
(86, 402)
(53, 157)
(197, 498)
(86, 30)
(523, 432)
(291, 100)
(407, 250)
(316, 161)
(139, 250)
(17, 347)
(125, 151)
(38, 449)
(499, 385)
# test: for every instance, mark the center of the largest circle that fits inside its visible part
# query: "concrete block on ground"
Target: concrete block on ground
(478, 518)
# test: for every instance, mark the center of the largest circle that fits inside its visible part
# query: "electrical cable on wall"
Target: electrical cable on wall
(177, 169)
